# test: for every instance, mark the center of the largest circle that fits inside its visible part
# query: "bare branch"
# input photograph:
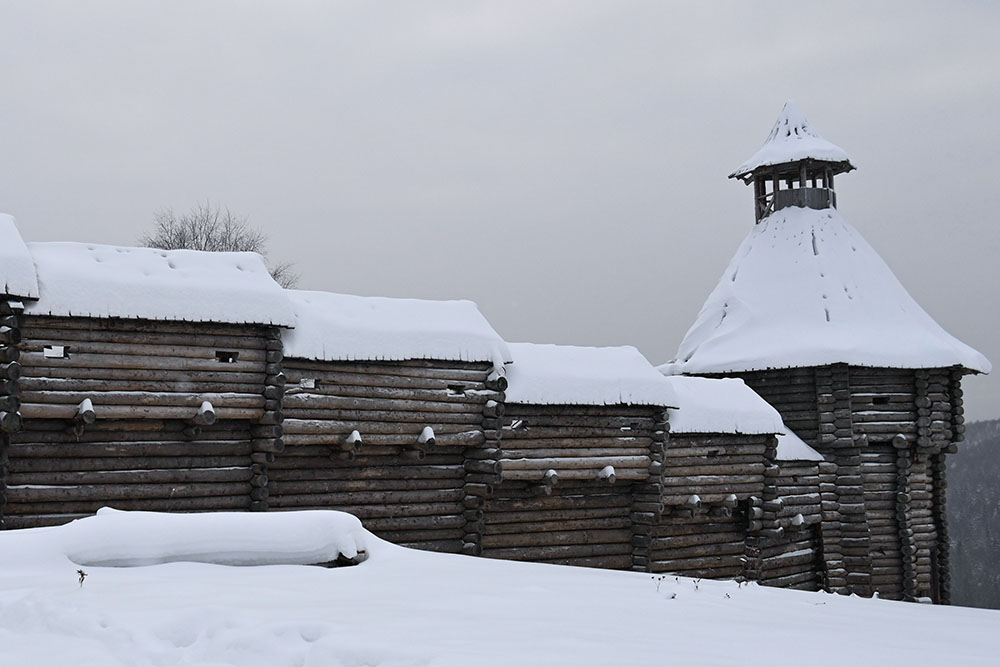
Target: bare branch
(207, 227)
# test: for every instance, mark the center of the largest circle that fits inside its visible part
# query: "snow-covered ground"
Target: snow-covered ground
(404, 607)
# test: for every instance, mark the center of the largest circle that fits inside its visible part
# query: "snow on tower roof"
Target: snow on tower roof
(792, 139)
(806, 289)
(341, 327)
(720, 406)
(569, 375)
(17, 271)
(90, 280)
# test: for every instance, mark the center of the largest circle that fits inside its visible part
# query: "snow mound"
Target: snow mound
(341, 327)
(806, 289)
(17, 271)
(720, 406)
(569, 375)
(792, 139)
(91, 280)
(113, 538)
(793, 448)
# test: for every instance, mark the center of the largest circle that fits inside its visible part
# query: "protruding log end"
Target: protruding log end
(426, 437)
(85, 413)
(607, 474)
(495, 381)
(205, 415)
(11, 422)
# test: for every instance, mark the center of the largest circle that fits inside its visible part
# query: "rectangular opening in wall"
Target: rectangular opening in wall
(307, 383)
(880, 400)
(226, 356)
(456, 390)
(56, 352)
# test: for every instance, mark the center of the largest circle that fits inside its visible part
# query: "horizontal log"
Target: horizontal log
(536, 475)
(528, 411)
(554, 552)
(670, 480)
(83, 379)
(320, 382)
(145, 398)
(89, 506)
(556, 502)
(131, 449)
(415, 522)
(68, 411)
(294, 426)
(149, 362)
(20, 465)
(128, 477)
(30, 494)
(556, 538)
(448, 370)
(366, 492)
(519, 444)
(31, 321)
(541, 522)
(577, 463)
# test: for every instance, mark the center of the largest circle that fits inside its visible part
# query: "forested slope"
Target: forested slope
(974, 516)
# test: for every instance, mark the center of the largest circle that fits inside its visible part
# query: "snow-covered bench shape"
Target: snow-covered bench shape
(114, 538)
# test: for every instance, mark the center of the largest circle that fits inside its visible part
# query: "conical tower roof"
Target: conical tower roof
(806, 289)
(793, 138)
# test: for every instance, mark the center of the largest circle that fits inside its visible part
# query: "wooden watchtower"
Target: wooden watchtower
(811, 317)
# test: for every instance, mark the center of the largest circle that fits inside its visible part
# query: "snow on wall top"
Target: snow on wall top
(806, 289)
(90, 280)
(341, 327)
(568, 375)
(792, 138)
(720, 406)
(17, 271)
(793, 448)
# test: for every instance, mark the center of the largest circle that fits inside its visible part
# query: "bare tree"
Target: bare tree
(210, 228)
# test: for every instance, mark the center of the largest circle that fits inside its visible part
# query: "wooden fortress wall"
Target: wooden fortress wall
(113, 412)
(388, 442)
(712, 490)
(887, 431)
(100, 412)
(574, 485)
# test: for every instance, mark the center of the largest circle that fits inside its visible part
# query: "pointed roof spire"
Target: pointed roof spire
(793, 139)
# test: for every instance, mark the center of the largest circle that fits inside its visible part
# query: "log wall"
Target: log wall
(386, 441)
(10, 403)
(793, 510)
(572, 483)
(135, 414)
(887, 431)
(711, 503)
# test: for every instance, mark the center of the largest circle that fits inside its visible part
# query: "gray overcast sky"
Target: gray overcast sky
(561, 163)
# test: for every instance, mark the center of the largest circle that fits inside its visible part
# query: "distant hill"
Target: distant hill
(974, 517)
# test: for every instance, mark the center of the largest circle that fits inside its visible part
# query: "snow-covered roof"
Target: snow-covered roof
(90, 280)
(792, 139)
(569, 375)
(792, 448)
(17, 271)
(720, 406)
(341, 327)
(806, 289)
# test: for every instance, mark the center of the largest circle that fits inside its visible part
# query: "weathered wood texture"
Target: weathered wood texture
(710, 496)
(699, 544)
(578, 523)
(887, 431)
(793, 507)
(10, 418)
(387, 442)
(137, 369)
(574, 473)
(56, 475)
(715, 467)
